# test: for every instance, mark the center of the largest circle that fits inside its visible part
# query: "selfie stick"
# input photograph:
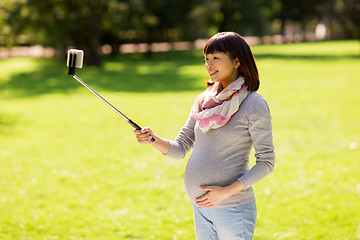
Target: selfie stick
(75, 60)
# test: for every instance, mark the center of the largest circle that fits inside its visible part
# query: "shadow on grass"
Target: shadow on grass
(125, 73)
(129, 73)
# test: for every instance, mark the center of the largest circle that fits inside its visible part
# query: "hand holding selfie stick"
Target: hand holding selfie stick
(75, 60)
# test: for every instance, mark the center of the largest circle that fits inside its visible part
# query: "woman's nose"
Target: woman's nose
(208, 63)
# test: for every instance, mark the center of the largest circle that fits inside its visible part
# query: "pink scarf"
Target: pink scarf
(213, 110)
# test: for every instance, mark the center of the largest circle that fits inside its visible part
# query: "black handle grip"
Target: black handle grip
(72, 61)
(137, 127)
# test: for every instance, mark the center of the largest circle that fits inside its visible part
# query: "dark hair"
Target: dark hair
(233, 44)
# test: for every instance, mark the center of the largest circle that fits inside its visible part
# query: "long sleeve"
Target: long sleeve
(260, 130)
(184, 141)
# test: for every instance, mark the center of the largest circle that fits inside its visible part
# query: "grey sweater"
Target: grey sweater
(221, 156)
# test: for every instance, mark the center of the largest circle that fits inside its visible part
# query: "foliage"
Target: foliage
(71, 168)
(88, 24)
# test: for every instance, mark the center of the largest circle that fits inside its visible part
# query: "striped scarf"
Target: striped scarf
(213, 110)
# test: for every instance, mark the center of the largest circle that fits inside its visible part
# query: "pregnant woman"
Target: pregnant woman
(225, 122)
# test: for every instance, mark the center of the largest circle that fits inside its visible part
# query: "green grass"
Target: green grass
(70, 168)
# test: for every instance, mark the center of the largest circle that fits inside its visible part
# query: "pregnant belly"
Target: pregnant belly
(207, 171)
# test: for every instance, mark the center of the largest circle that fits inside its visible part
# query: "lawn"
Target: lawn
(70, 167)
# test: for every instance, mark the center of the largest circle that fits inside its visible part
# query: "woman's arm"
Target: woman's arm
(177, 148)
(260, 130)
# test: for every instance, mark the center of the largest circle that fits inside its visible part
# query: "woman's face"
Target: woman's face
(221, 67)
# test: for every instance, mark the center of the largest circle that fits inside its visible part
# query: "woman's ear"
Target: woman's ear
(236, 63)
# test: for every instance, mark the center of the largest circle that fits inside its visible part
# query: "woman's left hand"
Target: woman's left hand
(213, 196)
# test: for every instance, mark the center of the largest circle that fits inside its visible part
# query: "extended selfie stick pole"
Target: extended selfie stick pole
(75, 60)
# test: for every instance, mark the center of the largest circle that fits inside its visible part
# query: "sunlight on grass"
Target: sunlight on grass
(331, 49)
(12, 67)
(71, 168)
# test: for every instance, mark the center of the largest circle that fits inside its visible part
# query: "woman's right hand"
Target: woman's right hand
(144, 135)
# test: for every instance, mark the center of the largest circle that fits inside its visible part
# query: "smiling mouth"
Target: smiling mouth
(212, 73)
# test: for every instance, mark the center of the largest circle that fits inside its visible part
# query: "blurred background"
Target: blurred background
(104, 26)
(71, 169)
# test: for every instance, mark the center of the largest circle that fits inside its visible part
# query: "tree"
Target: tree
(342, 17)
(248, 17)
(61, 24)
(88, 24)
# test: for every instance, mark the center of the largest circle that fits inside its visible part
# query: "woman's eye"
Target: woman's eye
(213, 58)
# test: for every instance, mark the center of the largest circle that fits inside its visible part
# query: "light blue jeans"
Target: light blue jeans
(225, 223)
